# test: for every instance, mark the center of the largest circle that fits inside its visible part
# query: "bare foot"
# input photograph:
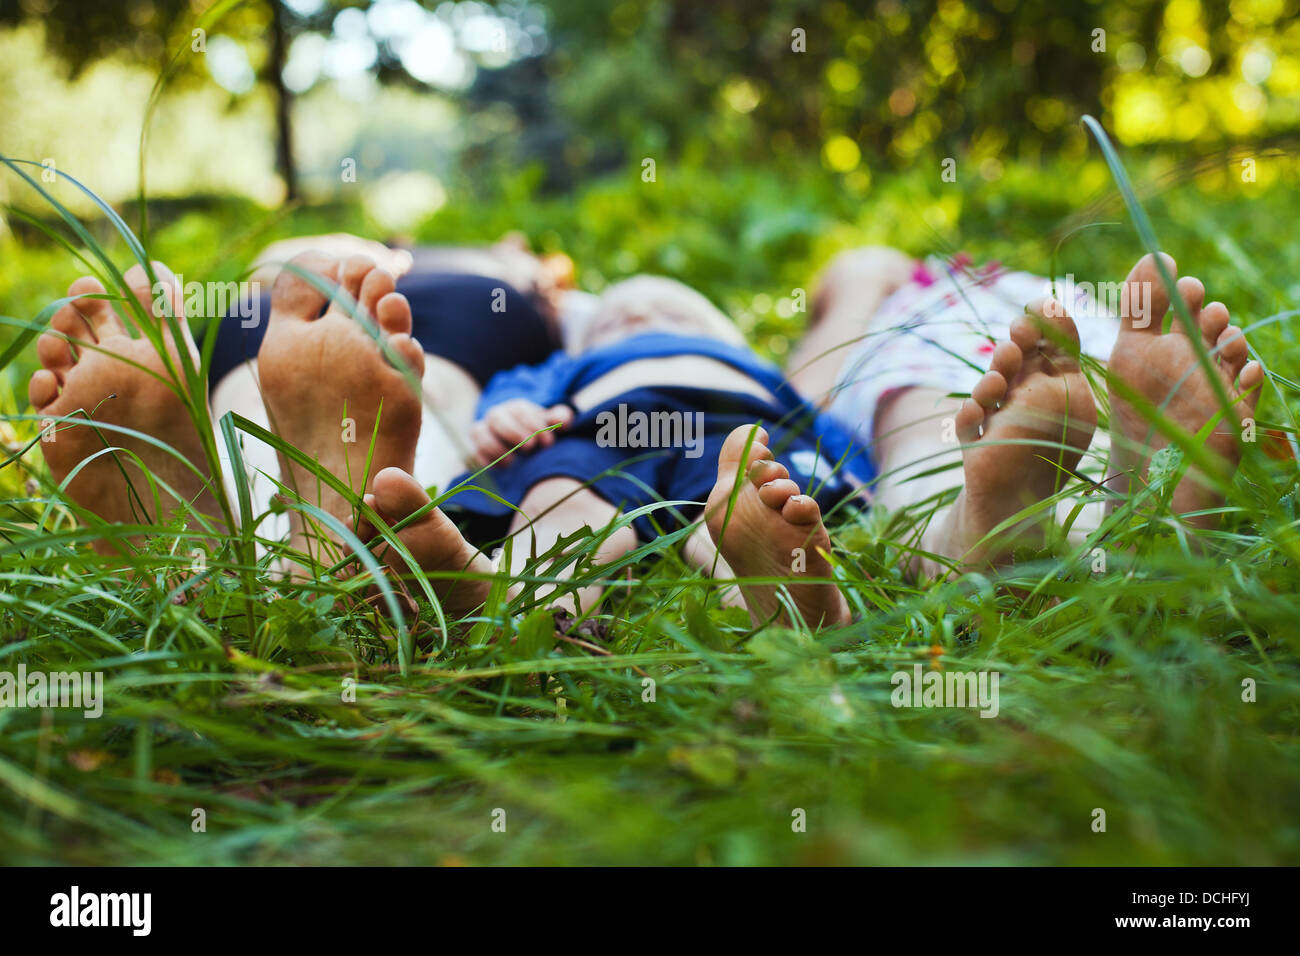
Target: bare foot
(1154, 363)
(87, 368)
(1036, 397)
(768, 527)
(434, 541)
(327, 384)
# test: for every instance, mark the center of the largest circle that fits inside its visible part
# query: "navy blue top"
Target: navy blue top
(561, 376)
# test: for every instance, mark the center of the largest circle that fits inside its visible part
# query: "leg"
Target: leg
(848, 294)
(556, 508)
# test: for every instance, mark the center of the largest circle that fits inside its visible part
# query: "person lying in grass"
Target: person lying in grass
(644, 399)
(318, 364)
(471, 321)
(895, 343)
(474, 311)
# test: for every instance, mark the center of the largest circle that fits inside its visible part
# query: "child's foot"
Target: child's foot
(87, 365)
(768, 527)
(434, 541)
(1154, 363)
(327, 384)
(1023, 430)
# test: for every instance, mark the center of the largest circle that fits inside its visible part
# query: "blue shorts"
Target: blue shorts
(655, 445)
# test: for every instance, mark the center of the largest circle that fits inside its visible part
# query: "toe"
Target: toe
(733, 449)
(802, 510)
(55, 354)
(1192, 291)
(776, 493)
(1252, 376)
(1144, 299)
(293, 297)
(1214, 318)
(43, 388)
(1057, 331)
(376, 284)
(411, 352)
(397, 494)
(70, 325)
(353, 273)
(765, 470)
(1232, 350)
(96, 315)
(990, 390)
(1025, 335)
(158, 299)
(393, 313)
(1007, 358)
(969, 419)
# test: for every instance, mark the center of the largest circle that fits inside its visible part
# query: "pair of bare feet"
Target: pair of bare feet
(1023, 431)
(328, 388)
(330, 392)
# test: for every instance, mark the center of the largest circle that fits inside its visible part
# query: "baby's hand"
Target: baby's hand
(510, 423)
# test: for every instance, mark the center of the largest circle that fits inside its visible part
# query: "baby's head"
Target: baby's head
(651, 304)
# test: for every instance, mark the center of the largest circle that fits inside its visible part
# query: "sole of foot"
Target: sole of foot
(433, 540)
(91, 364)
(329, 390)
(764, 534)
(1023, 430)
(1162, 367)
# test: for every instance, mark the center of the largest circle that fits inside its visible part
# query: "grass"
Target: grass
(309, 728)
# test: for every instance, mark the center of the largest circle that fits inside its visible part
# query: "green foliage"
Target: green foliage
(1121, 690)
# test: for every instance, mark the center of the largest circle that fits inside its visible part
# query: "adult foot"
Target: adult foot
(773, 531)
(330, 392)
(1023, 430)
(434, 542)
(93, 370)
(1162, 368)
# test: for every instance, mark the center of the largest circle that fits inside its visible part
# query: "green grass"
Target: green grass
(1120, 690)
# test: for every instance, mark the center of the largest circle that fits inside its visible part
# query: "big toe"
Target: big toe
(1144, 300)
(397, 494)
(1046, 327)
(297, 294)
(353, 274)
(158, 298)
(87, 316)
(733, 453)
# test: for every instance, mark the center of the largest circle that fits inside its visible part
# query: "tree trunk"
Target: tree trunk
(283, 102)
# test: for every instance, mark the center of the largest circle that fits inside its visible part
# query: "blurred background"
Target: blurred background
(779, 130)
